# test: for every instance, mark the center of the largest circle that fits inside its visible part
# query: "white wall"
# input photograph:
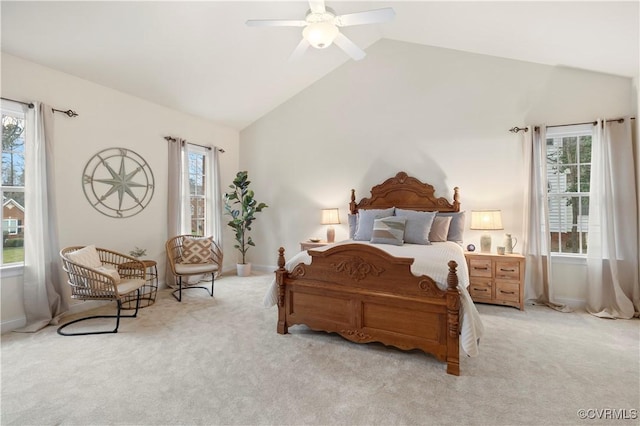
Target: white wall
(440, 115)
(107, 118)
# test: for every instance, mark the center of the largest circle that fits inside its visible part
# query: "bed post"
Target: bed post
(453, 321)
(280, 272)
(456, 199)
(353, 208)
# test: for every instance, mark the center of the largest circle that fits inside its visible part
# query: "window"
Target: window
(10, 226)
(12, 185)
(197, 158)
(568, 175)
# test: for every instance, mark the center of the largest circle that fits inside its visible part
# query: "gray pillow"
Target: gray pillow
(418, 225)
(389, 230)
(365, 222)
(456, 229)
(353, 224)
(439, 229)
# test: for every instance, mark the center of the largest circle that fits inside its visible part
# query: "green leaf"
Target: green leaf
(243, 216)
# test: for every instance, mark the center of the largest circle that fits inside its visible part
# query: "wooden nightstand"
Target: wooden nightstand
(496, 279)
(306, 245)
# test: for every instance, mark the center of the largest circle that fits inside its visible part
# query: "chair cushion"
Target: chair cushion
(111, 271)
(86, 256)
(197, 250)
(128, 285)
(195, 268)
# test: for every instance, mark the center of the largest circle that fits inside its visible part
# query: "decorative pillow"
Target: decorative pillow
(111, 271)
(353, 224)
(439, 229)
(365, 222)
(418, 225)
(197, 250)
(456, 229)
(86, 256)
(388, 230)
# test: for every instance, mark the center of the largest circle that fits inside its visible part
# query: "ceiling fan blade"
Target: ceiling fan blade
(349, 47)
(275, 23)
(317, 6)
(299, 50)
(368, 17)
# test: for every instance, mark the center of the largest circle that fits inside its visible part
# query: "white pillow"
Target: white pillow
(111, 271)
(86, 256)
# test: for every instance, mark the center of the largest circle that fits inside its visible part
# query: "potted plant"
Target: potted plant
(240, 205)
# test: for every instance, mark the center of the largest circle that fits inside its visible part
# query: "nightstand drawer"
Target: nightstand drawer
(508, 291)
(480, 289)
(496, 278)
(480, 267)
(507, 270)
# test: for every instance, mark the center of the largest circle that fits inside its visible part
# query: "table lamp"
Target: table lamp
(486, 220)
(330, 217)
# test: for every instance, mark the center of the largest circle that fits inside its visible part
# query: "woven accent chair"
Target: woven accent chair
(113, 276)
(182, 265)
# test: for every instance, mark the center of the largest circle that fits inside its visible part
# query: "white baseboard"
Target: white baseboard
(12, 324)
(265, 268)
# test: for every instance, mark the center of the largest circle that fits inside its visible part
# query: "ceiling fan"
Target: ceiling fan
(321, 27)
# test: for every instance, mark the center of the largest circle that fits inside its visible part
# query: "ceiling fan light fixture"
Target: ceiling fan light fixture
(320, 34)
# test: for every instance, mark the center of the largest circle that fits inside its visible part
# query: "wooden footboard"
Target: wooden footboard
(367, 295)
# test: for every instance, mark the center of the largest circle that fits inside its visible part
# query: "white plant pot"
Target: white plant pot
(243, 269)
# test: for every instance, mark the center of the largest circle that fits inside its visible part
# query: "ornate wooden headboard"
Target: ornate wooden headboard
(405, 192)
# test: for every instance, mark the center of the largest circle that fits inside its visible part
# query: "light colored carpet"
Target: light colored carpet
(220, 361)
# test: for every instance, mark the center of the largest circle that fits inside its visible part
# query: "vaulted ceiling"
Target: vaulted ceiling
(200, 57)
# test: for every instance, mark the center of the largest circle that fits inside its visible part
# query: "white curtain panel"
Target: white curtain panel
(537, 240)
(177, 190)
(46, 293)
(213, 195)
(612, 259)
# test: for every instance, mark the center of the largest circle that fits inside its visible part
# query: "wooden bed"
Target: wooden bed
(367, 295)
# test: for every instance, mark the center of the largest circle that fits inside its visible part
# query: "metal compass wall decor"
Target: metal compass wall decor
(118, 182)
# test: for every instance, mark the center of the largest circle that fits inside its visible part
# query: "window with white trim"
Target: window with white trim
(12, 184)
(568, 175)
(197, 194)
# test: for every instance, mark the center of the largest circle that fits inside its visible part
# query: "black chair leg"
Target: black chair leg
(117, 317)
(179, 290)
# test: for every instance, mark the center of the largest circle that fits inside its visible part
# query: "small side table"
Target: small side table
(148, 291)
(307, 245)
(496, 278)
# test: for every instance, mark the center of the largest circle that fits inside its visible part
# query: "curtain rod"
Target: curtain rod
(68, 112)
(172, 139)
(619, 120)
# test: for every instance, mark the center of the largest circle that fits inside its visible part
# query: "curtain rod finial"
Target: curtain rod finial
(517, 129)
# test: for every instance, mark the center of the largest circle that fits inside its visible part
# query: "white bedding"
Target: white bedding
(430, 260)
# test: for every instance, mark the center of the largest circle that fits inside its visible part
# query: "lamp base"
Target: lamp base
(485, 243)
(331, 234)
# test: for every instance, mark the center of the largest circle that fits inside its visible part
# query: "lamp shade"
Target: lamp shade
(486, 219)
(330, 217)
